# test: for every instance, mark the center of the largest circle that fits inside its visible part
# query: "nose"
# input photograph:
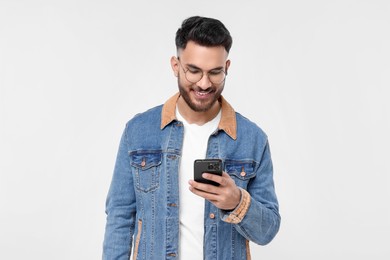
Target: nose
(204, 83)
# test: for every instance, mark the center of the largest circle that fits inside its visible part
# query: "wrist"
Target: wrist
(237, 199)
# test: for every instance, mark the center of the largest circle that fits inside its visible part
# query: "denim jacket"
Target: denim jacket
(143, 201)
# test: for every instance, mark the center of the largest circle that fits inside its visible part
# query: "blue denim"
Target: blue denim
(143, 201)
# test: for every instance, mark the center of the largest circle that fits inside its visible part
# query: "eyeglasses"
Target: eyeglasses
(194, 74)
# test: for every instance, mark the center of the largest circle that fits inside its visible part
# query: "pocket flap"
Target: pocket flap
(242, 169)
(146, 159)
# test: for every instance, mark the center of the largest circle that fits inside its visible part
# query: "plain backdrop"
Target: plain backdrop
(314, 75)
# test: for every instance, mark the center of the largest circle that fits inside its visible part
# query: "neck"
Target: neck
(194, 117)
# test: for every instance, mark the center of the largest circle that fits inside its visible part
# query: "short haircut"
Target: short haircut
(204, 31)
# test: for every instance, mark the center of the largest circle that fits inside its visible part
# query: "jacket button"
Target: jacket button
(243, 173)
(212, 215)
(143, 163)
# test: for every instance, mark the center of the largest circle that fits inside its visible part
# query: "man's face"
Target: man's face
(195, 59)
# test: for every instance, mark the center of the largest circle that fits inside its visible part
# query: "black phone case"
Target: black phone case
(213, 166)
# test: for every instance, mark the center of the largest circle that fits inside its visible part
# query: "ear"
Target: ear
(175, 66)
(227, 66)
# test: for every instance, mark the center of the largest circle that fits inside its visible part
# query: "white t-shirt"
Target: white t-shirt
(192, 206)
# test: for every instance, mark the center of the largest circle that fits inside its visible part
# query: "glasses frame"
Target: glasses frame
(208, 75)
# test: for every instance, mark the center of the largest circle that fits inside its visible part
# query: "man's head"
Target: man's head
(201, 64)
(204, 31)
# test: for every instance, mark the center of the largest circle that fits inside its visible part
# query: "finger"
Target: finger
(222, 180)
(203, 187)
(226, 175)
(206, 195)
(213, 177)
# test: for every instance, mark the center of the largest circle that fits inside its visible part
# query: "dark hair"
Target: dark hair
(203, 31)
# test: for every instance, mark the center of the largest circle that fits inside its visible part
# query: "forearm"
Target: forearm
(257, 215)
(118, 235)
(260, 223)
(253, 220)
(120, 208)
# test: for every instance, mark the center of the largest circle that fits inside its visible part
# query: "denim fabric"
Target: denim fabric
(143, 201)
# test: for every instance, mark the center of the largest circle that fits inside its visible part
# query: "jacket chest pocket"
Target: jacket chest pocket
(146, 168)
(241, 171)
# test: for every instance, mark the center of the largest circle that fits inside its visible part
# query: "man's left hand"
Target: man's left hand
(226, 196)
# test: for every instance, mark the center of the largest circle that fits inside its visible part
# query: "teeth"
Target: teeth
(202, 93)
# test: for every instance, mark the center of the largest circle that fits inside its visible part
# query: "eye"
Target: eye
(194, 71)
(215, 72)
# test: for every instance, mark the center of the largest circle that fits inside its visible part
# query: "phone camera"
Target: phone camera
(213, 166)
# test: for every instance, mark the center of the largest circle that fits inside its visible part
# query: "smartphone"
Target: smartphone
(213, 166)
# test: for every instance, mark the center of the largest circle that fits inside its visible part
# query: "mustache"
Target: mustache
(207, 90)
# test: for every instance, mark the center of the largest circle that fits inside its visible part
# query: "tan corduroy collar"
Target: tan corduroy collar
(228, 116)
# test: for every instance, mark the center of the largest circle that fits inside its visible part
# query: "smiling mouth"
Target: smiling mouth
(203, 93)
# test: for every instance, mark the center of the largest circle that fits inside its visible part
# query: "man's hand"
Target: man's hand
(226, 196)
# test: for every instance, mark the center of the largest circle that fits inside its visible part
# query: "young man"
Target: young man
(155, 210)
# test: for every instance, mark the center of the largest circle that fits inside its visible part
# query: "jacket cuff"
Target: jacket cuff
(238, 214)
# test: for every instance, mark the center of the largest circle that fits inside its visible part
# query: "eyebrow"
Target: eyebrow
(196, 67)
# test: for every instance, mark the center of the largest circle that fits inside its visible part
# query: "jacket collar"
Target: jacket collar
(228, 116)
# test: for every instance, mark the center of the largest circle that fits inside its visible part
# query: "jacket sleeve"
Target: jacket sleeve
(120, 207)
(257, 215)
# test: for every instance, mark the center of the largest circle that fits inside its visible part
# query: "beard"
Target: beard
(200, 105)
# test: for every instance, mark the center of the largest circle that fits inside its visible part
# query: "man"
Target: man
(155, 210)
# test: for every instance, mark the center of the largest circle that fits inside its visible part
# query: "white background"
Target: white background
(315, 75)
